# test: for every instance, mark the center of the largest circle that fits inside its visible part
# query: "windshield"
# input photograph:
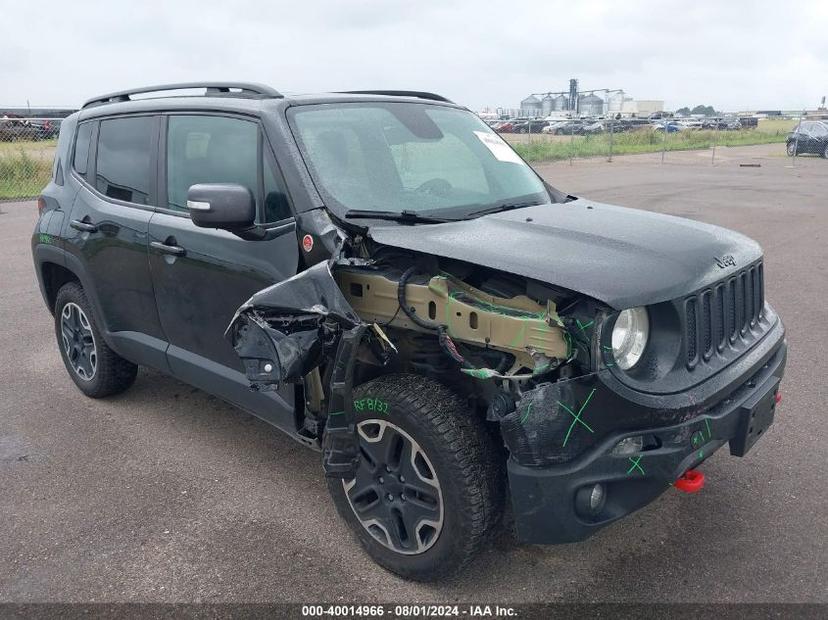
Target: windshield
(410, 157)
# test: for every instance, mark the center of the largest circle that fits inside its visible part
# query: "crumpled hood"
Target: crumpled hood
(622, 257)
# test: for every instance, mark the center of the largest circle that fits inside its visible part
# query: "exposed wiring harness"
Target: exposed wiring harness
(446, 343)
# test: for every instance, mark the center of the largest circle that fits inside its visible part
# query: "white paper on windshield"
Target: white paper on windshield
(498, 147)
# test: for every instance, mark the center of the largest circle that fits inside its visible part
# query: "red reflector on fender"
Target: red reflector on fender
(778, 397)
(41, 204)
(691, 481)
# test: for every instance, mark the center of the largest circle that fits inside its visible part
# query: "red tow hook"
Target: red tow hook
(778, 397)
(691, 481)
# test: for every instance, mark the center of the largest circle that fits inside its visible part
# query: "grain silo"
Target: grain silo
(531, 107)
(547, 105)
(591, 105)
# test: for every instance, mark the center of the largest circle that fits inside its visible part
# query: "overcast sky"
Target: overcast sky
(732, 55)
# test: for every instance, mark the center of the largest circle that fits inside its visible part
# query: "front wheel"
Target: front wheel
(791, 149)
(825, 151)
(429, 488)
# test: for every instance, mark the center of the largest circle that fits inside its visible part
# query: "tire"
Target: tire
(441, 442)
(825, 151)
(95, 368)
(790, 148)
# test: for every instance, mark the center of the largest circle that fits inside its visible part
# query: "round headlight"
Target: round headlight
(629, 337)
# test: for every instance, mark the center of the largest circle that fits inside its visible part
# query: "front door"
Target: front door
(201, 276)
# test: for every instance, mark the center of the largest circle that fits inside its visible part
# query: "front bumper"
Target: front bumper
(544, 498)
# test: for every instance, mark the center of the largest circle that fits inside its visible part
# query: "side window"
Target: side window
(820, 130)
(209, 149)
(276, 205)
(123, 169)
(81, 157)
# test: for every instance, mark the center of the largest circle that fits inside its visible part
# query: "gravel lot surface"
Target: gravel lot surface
(167, 494)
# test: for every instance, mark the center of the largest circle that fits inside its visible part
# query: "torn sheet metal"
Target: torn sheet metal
(283, 332)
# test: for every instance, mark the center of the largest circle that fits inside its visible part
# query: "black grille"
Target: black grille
(717, 318)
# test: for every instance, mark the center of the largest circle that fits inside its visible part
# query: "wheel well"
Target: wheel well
(54, 277)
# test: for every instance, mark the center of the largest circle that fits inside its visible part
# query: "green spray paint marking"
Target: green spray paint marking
(707, 423)
(577, 416)
(335, 413)
(44, 238)
(526, 415)
(371, 404)
(635, 465)
(583, 327)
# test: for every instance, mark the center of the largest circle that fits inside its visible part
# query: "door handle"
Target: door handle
(174, 250)
(83, 226)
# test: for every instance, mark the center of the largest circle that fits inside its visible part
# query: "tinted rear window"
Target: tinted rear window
(79, 161)
(123, 168)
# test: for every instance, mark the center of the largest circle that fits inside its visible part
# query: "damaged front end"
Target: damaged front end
(287, 332)
(495, 342)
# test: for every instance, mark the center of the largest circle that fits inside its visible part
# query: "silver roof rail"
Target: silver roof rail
(213, 89)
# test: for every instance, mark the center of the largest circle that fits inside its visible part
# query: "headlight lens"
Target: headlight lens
(629, 337)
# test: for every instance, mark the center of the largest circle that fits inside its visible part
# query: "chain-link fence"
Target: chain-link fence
(572, 139)
(27, 148)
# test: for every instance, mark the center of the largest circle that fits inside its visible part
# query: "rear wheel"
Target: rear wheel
(429, 485)
(95, 368)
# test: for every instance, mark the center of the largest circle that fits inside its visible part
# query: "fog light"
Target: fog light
(629, 445)
(590, 500)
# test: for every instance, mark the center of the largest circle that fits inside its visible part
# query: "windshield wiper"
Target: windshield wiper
(506, 206)
(406, 217)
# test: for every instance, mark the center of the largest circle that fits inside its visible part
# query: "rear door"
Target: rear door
(114, 163)
(201, 276)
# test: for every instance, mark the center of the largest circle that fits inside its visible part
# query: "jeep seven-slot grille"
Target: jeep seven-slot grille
(717, 317)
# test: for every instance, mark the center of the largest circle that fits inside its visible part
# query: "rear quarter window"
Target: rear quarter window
(80, 160)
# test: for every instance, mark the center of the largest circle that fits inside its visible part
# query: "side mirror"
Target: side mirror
(221, 205)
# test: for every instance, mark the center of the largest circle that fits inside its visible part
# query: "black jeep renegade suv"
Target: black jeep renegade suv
(380, 276)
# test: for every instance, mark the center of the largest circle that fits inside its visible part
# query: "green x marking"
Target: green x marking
(583, 327)
(635, 465)
(577, 416)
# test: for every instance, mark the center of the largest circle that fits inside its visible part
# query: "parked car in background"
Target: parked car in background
(568, 128)
(13, 129)
(552, 126)
(505, 127)
(532, 126)
(592, 128)
(44, 129)
(808, 137)
(669, 126)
